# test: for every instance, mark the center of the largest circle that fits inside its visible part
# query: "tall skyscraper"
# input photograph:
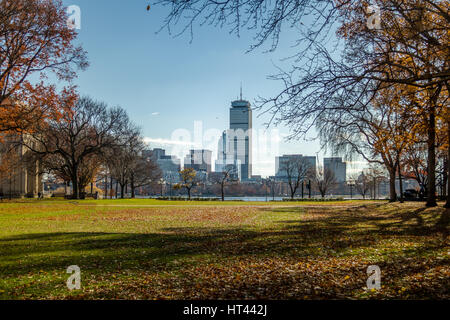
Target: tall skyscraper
(240, 136)
(222, 155)
(235, 144)
(337, 166)
(225, 160)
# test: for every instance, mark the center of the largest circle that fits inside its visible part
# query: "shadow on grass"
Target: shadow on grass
(406, 223)
(334, 233)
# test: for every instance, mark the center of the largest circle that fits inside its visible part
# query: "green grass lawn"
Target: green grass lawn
(155, 202)
(150, 249)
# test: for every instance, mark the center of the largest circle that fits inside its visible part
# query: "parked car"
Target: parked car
(411, 194)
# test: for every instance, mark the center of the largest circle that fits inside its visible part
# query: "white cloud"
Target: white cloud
(167, 141)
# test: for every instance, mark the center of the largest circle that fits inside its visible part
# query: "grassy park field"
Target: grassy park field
(149, 249)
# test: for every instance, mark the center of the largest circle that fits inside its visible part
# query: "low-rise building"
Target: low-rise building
(20, 174)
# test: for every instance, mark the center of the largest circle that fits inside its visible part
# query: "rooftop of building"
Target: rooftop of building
(199, 150)
(240, 104)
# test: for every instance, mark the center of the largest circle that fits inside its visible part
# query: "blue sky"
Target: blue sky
(167, 83)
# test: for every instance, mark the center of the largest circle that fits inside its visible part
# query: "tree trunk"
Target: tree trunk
(75, 193)
(223, 192)
(303, 190)
(133, 193)
(392, 192)
(309, 189)
(122, 191)
(117, 189)
(447, 204)
(374, 188)
(106, 187)
(10, 187)
(112, 187)
(431, 196)
(273, 191)
(400, 181)
(189, 193)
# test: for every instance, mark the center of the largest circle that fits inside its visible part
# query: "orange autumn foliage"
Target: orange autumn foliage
(35, 43)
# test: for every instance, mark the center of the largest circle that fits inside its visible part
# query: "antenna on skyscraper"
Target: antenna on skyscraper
(241, 90)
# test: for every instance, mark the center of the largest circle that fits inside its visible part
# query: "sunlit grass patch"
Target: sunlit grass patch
(240, 251)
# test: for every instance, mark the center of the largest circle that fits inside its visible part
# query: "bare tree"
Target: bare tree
(128, 165)
(56, 165)
(362, 184)
(144, 171)
(296, 170)
(223, 178)
(84, 131)
(324, 180)
(120, 169)
(120, 166)
(376, 175)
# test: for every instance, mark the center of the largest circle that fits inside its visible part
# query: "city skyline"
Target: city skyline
(201, 161)
(201, 151)
(171, 83)
(200, 139)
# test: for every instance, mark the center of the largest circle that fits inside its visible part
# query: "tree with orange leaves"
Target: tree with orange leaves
(35, 41)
